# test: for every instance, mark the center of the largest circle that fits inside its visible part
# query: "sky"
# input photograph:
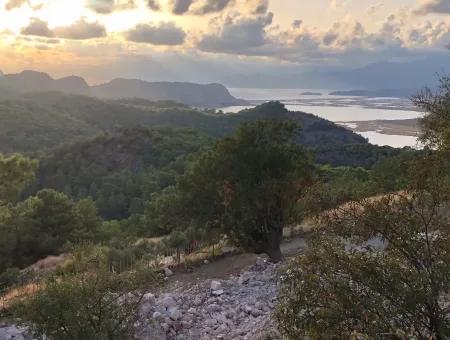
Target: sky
(204, 40)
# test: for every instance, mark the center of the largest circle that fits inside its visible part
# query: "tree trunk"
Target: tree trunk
(272, 246)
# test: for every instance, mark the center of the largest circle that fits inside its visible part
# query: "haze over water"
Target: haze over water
(339, 109)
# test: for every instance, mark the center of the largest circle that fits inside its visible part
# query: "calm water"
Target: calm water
(337, 109)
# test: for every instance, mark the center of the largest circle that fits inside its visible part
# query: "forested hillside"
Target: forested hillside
(119, 171)
(36, 122)
(118, 152)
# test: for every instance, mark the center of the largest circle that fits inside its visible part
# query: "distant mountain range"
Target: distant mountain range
(411, 74)
(201, 95)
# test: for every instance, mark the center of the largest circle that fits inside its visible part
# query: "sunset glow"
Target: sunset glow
(245, 33)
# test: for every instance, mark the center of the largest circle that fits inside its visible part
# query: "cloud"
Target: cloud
(166, 33)
(154, 5)
(433, 6)
(375, 8)
(430, 34)
(11, 4)
(259, 6)
(212, 6)
(109, 6)
(81, 30)
(240, 35)
(297, 23)
(37, 27)
(181, 6)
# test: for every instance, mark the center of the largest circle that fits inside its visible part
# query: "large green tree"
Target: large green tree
(15, 172)
(246, 186)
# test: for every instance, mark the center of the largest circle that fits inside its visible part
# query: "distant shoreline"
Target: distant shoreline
(401, 127)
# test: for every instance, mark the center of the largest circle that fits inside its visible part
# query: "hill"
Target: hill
(209, 95)
(32, 81)
(201, 95)
(40, 121)
(118, 170)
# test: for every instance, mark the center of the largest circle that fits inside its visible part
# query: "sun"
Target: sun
(62, 12)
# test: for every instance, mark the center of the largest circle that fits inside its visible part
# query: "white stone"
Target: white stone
(168, 272)
(168, 301)
(175, 314)
(216, 285)
(149, 298)
(217, 292)
(157, 316)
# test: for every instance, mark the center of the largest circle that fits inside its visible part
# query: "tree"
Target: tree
(247, 185)
(436, 124)
(15, 172)
(41, 225)
(378, 268)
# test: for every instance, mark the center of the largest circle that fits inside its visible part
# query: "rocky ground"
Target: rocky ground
(239, 307)
(230, 298)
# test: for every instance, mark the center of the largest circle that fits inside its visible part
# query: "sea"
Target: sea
(344, 110)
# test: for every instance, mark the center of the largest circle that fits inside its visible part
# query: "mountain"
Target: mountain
(32, 81)
(208, 95)
(414, 74)
(397, 75)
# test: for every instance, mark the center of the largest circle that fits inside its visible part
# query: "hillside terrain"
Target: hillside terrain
(119, 152)
(201, 95)
(40, 121)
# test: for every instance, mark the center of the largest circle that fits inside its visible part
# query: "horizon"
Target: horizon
(208, 41)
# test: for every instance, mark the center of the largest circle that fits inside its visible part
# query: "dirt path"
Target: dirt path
(229, 265)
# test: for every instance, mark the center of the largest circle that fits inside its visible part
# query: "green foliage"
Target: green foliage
(394, 173)
(119, 171)
(97, 305)
(38, 122)
(246, 186)
(42, 225)
(162, 213)
(354, 155)
(9, 278)
(15, 172)
(334, 187)
(379, 268)
(436, 124)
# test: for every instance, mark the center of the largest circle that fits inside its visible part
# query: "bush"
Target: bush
(93, 305)
(378, 269)
(9, 278)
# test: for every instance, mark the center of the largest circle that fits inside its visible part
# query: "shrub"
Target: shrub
(93, 305)
(379, 268)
